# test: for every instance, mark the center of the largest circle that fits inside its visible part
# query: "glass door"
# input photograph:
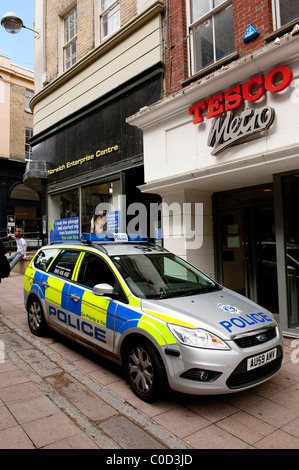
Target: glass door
(291, 238)
(233, 252)
(246, 255)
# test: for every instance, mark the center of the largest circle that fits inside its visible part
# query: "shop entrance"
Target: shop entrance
(246, 246)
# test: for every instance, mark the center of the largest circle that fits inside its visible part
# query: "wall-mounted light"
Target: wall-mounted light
(13, 24)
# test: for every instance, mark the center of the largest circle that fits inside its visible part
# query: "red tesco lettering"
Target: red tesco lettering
(253, 90)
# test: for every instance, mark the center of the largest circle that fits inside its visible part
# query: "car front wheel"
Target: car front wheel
(145, 371)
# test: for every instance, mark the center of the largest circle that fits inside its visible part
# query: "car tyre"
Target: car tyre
(36, 319)
(145, 371)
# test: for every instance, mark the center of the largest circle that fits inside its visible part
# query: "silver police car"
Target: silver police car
(145, 308)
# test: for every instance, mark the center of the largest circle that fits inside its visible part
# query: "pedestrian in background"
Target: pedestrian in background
(4, 263)
(21, 250)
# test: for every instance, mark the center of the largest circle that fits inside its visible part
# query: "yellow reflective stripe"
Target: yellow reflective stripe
(157, 330)
(28, 278)
(53, 293)
(77, 266)
(94, 308)
(134, 301)
(170, 319)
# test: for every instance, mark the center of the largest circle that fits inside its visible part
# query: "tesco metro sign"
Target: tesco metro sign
(226, 131)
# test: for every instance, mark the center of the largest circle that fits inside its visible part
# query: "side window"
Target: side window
(94, 270)
(44, 258)
(65, 263)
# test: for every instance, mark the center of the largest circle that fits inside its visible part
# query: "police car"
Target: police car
(161, 318)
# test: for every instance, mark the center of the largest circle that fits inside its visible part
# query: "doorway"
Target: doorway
(246, 244)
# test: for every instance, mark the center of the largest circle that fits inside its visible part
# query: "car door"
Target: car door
(97, 313)
(57, 286)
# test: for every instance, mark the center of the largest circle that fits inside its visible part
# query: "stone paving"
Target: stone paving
(55, 394)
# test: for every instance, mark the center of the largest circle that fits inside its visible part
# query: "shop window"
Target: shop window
(285, 11)
(210, 32)
(100, 207)
(65, 205)
(110, 17)
(70, 39)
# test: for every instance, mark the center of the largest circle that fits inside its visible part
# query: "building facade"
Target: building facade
(222, 146)
(19, 205)
(97, 63)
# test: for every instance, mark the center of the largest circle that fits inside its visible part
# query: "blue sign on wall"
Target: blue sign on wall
(251, 33)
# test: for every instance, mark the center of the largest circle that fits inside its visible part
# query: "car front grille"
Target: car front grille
(242, 378)
(252, 340)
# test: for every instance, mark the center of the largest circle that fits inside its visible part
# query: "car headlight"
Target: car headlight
(197, 337)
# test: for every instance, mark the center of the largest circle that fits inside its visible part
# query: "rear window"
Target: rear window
(44, 258)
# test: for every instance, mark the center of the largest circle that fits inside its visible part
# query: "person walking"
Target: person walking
(21, 250)
(4, 264)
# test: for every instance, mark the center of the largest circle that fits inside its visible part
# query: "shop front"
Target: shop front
(231, 143)
(93, 163)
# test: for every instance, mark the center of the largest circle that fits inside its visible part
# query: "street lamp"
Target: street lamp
(13, 24)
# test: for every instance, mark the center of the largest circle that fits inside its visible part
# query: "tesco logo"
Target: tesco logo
(277, 80)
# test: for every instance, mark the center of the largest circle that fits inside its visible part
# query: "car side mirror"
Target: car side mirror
(103, 289)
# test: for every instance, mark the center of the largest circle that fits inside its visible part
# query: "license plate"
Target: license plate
(261, 359)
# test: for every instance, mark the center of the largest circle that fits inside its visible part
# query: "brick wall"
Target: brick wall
(175, 56)
(259, 14)
(256, 12)
(86, 11)
(56, 10)
(128, 9)
(19, 120)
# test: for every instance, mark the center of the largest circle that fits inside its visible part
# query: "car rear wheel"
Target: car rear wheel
(145, 371)
(36, 319)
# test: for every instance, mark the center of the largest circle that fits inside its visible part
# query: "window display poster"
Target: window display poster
(113, 222)
(64, 229)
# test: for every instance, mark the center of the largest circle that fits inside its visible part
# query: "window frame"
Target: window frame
(277, 16)
(68, 40)
(28, 96)
(28, 148)
(103, 12)
(192, 26)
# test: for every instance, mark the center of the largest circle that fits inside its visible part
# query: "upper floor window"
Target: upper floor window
(211, 32)
(285, 11)
(28, 149)
(28, 95)
(70, 39)
(110, 17)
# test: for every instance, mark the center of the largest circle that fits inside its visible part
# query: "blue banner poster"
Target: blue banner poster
(113, 222)
(64, 229)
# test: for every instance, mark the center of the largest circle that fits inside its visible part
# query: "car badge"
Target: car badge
(262, 338)
(229, 308)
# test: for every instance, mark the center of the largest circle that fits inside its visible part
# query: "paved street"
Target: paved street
(57, 395)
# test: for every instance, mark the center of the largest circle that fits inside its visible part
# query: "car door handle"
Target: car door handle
(45, 284)
(75, 297)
